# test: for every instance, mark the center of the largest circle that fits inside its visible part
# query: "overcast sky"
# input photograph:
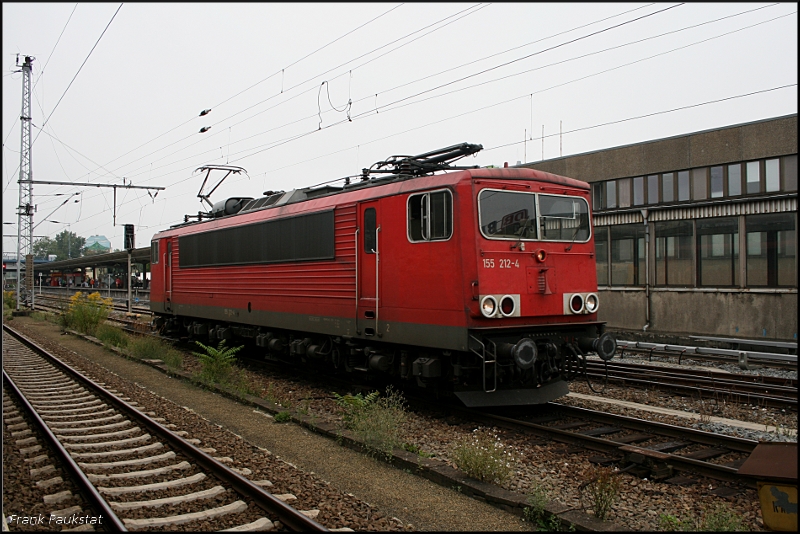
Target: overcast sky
(302, 94)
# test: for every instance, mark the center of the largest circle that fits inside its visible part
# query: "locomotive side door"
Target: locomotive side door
(368, 250)
(168, 276)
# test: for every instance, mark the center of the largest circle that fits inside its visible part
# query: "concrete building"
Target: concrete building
(697, 233)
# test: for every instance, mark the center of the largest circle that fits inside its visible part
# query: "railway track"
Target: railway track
(649, 449)
(758, 390)
(745, 359)
(134, 471)
(56, 303)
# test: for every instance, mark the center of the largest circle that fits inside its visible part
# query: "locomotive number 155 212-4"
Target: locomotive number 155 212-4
(503, 263)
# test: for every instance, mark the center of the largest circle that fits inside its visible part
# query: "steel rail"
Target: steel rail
(679, 463)
(705, 385)
(266, 501)
(78, 476)
(741, 355)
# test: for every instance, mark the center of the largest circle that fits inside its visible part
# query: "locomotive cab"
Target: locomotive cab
(534, 302)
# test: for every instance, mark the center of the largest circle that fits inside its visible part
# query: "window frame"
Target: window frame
(661, 228)
(425, 219)
(652, 191)
(638, 253)
(155, 251)
(540, 219)
(538, 216)
(706, 227)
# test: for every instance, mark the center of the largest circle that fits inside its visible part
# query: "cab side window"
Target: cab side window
(430, 216)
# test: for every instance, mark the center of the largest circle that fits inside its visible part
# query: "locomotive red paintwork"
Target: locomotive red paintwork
(479, 282)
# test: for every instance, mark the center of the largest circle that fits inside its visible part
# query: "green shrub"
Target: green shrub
(40, 316)
(720, 519)
(217, 363)
(10, 300)
(483, 456)
(283, 417)
(671, 523)
(353, 405)
(86, 313)
(379, 426)
(602, 487)
(111, 335)
(173, 359)
(536, 512)
(146, 348)
(717, 519)
(376, 421)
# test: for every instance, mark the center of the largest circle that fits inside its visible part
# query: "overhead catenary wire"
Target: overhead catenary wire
(383, 106)
(672, 110)
(462, 13)
(98, 166)
(367, 113)
(73, 78)
(528, 94)
(247, 89)
(295, 137)
(41, 73)
(513, 61)
(278, 143)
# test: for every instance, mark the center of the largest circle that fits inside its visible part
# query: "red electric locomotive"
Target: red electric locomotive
(478, 282)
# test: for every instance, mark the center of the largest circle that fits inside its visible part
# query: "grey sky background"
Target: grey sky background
(278, 79)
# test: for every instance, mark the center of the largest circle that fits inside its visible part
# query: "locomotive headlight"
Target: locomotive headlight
(488, 306)
(576, 303)
(507, 306)
(592, 302)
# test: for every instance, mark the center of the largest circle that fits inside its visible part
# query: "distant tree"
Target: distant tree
(43, 247)
(66, 245)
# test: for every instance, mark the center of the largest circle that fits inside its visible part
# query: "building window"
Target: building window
(597, 196)
(638, 191)
(601, 254)
(611, 194)
(790, 173)
(699, 179)
(771, 250)
(716, 182)
(627, 255)
(674, 244)
(718, 252)
(652, 189)
(625, 193)
(753, 177)
(668, 186)
(772, 174)
(683, 186)
(734, 180)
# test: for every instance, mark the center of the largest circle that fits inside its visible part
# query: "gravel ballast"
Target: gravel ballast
(403, 500)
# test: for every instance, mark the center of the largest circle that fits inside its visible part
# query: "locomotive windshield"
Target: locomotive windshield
(505, 214)
(519, 215)
(564, 218)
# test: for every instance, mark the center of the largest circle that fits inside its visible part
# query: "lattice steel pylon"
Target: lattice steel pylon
(26, 207)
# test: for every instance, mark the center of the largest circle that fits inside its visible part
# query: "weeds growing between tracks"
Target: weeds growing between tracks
(375, 420)
(85, 313)
(484, 457)
(602, 490)
(712, 519)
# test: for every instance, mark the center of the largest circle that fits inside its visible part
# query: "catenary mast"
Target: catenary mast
(26, 207)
